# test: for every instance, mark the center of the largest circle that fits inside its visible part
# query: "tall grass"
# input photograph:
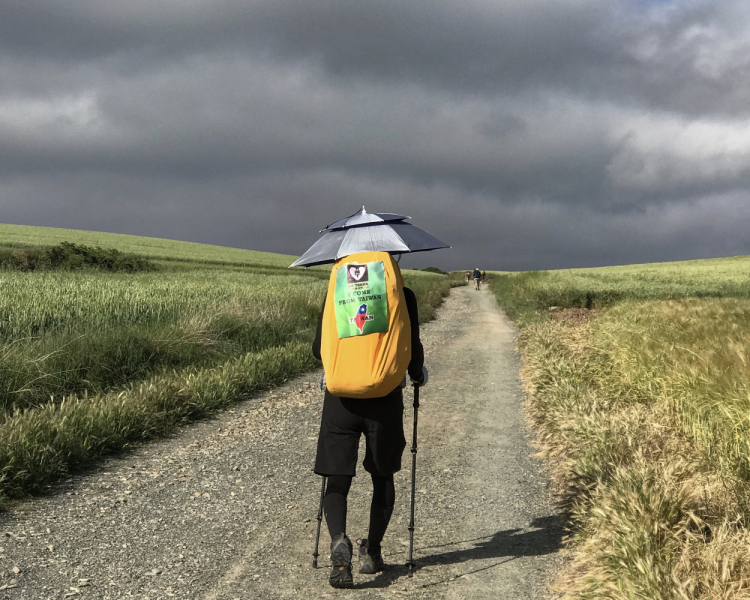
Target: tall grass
(641, 404)
(39, 446)
(54, 302)
(652, 516)
(692, 355)
(66, 333)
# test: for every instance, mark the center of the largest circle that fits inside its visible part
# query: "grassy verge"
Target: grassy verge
(642, 408)
(39, 446)
(75, 333)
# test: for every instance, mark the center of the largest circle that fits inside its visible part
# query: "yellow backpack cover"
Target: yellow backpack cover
(366, 334)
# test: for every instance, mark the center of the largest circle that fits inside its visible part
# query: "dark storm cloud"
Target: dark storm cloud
(214, 125)
(542, 134)
(687, 56)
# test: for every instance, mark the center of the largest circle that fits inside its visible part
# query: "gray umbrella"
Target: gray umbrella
(368, 232)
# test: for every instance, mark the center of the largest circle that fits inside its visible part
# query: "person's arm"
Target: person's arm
(417, 351)
(318, 331)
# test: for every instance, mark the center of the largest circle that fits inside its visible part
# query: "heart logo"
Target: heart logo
(357, 273)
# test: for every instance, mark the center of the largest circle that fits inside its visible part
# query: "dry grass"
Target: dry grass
(692, 354)
(654, 512)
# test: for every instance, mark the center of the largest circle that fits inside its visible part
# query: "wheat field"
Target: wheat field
(639, 391)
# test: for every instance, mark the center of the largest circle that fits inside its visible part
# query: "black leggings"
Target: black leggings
(381, 509)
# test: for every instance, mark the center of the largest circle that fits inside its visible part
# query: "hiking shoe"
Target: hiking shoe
(341, 561)
(369, 564)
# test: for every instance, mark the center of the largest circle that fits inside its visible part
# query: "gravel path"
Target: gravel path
(225, 510)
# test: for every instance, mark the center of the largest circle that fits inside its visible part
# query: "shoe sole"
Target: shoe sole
(342, 578)
(341, 585)
(341, 559)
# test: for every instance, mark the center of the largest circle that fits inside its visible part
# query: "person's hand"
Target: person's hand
(425, 377)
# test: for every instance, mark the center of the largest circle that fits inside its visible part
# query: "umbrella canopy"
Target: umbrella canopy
(362, 217)
(368, 232)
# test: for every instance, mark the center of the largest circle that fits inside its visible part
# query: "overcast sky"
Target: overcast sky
(527, 134)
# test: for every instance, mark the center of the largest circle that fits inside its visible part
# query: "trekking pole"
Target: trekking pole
(320, 518)
(411, 564)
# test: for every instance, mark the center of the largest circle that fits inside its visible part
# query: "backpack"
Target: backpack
(365, 341)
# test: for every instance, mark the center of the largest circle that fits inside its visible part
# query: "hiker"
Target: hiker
(468, 277)
(484, 276)
(477, 278)
(380, 418)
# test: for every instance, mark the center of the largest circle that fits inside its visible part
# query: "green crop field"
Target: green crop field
(639, 388)
(526, 295)
(90, 332)
(93, 360)
(23, 236)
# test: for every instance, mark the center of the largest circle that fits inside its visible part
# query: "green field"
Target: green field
(528, 294)
(93, 360)
(79, 332)
(23, 236)
(639, 390)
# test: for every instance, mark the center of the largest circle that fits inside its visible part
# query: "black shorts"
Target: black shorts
(345, 419)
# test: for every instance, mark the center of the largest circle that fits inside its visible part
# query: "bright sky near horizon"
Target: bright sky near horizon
(527, 134)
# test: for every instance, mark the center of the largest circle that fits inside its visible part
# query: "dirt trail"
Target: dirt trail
(225, 509)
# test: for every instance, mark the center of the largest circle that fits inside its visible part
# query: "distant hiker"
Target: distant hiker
(484, 276)
(477, 278)
(368, 340)
(468, 277)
